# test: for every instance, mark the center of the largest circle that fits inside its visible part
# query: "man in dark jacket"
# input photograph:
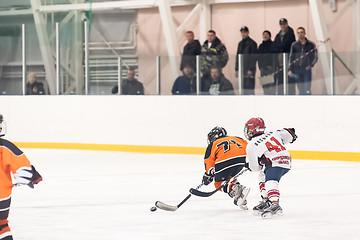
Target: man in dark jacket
(266, 62)
(33, 87)
(130, 86)
(303, 56)
(248, 48)
(185, 84)
(191, 49)
(282, 44)
(213, 54)
(216, 84)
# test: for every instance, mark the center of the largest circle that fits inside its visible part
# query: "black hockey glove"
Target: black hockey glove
(36, 177)
(264, 161)
(208, 178)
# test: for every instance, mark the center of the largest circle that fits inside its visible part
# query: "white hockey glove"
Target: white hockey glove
(292, 132)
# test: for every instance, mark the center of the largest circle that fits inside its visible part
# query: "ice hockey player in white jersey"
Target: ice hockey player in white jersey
(266, 153)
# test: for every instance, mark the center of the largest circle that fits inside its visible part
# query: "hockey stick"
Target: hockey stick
(167, 207)
(196, 192)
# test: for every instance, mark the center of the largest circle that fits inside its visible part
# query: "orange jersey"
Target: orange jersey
(12, 160)
(225, 156)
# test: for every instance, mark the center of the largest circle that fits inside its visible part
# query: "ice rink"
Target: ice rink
(107, 195)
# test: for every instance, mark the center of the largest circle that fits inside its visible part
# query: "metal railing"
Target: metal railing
(159, 78)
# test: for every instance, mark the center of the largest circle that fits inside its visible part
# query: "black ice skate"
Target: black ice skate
(264, 203)
(273, 209)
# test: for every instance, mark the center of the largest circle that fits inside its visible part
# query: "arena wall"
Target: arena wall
(327, 126)
(226, 20)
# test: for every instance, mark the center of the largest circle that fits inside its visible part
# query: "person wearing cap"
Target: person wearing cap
(282, 44)
(248, 48)
(266, 62)
(186, 83)
(303, 56)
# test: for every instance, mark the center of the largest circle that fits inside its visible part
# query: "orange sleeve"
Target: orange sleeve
(11, 160)
(14, 157)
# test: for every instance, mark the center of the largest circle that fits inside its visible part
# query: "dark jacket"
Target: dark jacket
(225, 87)
(129, 87)
(184, 85)
(282, 44)
(189, 54)
(265, 57)
(37, 86)
(214, 56)
(248, 47)
(302, 56)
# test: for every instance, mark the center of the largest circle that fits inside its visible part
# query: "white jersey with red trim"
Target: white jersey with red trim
(268, 149)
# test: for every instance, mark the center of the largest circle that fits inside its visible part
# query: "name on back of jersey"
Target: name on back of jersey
(263, 138)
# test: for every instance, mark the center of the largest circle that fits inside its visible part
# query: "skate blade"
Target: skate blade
(257, 212)
(266, 215)
(244, 207)
(270, 214)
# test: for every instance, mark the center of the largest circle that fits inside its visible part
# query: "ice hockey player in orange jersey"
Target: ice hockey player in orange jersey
(224, 158)
(14, 163)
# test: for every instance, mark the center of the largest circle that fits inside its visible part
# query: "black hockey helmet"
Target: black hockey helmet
(215, 133)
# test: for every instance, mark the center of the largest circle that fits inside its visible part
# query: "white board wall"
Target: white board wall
(323, 123)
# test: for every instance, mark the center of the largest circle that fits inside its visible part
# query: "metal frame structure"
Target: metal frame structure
(201, 10)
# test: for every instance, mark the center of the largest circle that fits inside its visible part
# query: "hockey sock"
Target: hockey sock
(272, 188)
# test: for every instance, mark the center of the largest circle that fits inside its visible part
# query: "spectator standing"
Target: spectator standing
(130, 85)
(191, 49)
(303, 56)
(185, 84)
(32, 86)
(282, 44)
(217, 83)
(213, 54)
(266, 62)
(248, 48)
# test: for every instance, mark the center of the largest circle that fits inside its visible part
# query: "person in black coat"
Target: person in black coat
(185, 84)
(191, 49)
(302, 58)
(217, 83)
(33, 87)
(130, 85)
(248, 48)
(282, 44)
(266, 61)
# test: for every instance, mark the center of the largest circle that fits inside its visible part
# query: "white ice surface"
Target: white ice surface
(107, 195)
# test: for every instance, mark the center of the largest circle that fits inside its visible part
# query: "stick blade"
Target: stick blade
(204, 194)
(165, 206)
(200, 193)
